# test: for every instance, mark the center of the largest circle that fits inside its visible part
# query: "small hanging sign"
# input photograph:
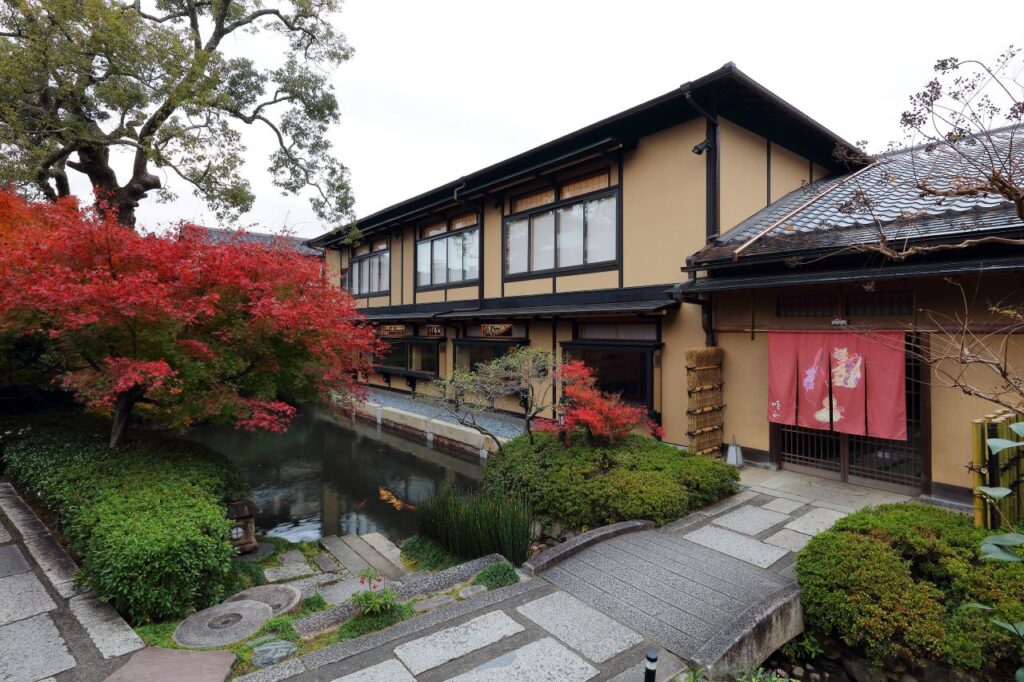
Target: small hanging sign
(492, 330)
(392, 330)
(432, 330)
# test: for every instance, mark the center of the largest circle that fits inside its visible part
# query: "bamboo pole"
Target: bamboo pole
(978, 454)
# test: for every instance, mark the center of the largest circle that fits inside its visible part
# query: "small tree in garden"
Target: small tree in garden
(604, 417)
(466, 400)
(175, 328)
(525, 374)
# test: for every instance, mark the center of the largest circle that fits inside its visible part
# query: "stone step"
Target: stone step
(371, 556)
(389, 549)
(343, 553)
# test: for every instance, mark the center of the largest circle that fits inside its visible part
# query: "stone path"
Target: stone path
(48, 630)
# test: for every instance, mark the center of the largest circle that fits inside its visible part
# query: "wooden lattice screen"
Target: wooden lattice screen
(704, 406)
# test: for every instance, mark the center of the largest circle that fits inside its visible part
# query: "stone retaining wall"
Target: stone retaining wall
(454, 438)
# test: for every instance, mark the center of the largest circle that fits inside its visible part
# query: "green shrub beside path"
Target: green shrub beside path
(891, 581)
(575, 486)
(146, 521)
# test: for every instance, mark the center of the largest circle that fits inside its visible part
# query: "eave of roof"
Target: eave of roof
(727, 92)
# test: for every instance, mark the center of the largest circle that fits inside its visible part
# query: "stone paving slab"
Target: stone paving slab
(388, 671)
(57, 566)
(788, 539)
(735, 545)
(750, 520)
(728, 503)
(387, 548)
(815, 521)
(23, 596)
(4, 535)
(782, 505)
(156, 664)
(21, 515)
(339, 593)
(107, 630)
(542, 661)
(32, 649)
(668, 667)
(451, 643)
(586, 630)
(12, 561)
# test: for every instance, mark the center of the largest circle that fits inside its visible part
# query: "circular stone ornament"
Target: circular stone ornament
(280, 598)
(227, 623)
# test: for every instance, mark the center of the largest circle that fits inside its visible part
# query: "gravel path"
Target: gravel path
(505, 426)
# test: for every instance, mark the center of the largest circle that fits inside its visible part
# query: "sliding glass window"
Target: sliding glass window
(368, 275)
(571, 235)
(448, 258)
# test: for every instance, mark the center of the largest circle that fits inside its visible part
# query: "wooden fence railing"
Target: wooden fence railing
(1000, 470)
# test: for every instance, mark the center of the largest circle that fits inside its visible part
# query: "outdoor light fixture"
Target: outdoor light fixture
(734, 455)
(702, 147)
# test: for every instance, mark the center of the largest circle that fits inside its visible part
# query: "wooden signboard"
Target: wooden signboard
(392, 330)
(492, 330)
(432, 330)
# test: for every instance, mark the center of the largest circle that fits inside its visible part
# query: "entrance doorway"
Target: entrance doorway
(899, 466)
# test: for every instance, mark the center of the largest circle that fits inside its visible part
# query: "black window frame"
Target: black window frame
(444, 236)
(648, 348)
(609, 192)
(365, 258)
(517, 341)
(406, 342)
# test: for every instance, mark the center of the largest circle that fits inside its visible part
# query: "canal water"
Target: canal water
(323, 477)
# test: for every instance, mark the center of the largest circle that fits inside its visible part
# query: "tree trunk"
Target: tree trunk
(122, 413)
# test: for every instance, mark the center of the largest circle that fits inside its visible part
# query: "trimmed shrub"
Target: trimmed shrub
(497, 575)
(471, 525)
(891, 580)
(585, 486)
(147, 521)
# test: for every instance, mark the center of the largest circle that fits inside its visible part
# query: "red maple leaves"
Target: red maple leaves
(604, 417)
(189, 329)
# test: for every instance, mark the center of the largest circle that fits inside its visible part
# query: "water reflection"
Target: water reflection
(322, 478)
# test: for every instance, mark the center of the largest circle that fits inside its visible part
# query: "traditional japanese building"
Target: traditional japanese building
(858, 267)
(575, 246)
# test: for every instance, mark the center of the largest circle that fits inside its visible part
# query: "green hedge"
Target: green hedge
(146, 521)
(646, 479)
(891, 580)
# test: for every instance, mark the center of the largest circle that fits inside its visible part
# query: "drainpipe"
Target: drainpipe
(710, 145)
(706, 309)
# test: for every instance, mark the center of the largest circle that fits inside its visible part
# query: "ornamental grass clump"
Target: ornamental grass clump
(472, 525)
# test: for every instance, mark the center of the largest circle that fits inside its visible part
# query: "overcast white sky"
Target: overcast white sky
(439, 89)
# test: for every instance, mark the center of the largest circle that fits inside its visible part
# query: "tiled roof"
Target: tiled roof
(216, 235)
(854, 208)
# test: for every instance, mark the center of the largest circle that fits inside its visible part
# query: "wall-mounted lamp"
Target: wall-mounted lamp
(702, 147)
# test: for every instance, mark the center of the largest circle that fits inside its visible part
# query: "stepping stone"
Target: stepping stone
(273, 652)
(280, 598)
(23, 596)
(155, 664)
(343, 553)
(12, 561)
(542, 661)
(782, 505)
(448, 644)
(311, 585)
(788, 539)
(433, 603)
(388, 671)
(815, 521)
(728, 503)
(327, 564)
(287, 572)
(750, 520)
(371, 556)
(32, 649)
(735, 545)
(471, 591)
(105, 627)
(388, 549)
(263, 550)
(227, 623)
(338, 593)
(586, 630)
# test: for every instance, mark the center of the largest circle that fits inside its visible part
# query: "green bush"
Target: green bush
(471, 525)
(891, 580)
(423, 554)
(575, 486)
(497, 575)
(147, 521)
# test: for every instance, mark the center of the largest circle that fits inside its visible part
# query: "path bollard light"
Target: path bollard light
(650, 665)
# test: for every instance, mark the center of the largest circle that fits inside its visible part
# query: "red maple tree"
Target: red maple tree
(175, 327)
(604, 417)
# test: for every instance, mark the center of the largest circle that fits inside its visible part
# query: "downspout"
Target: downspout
(706, 310)
(713, 171)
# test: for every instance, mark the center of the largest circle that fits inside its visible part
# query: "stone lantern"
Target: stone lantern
(242, 514)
